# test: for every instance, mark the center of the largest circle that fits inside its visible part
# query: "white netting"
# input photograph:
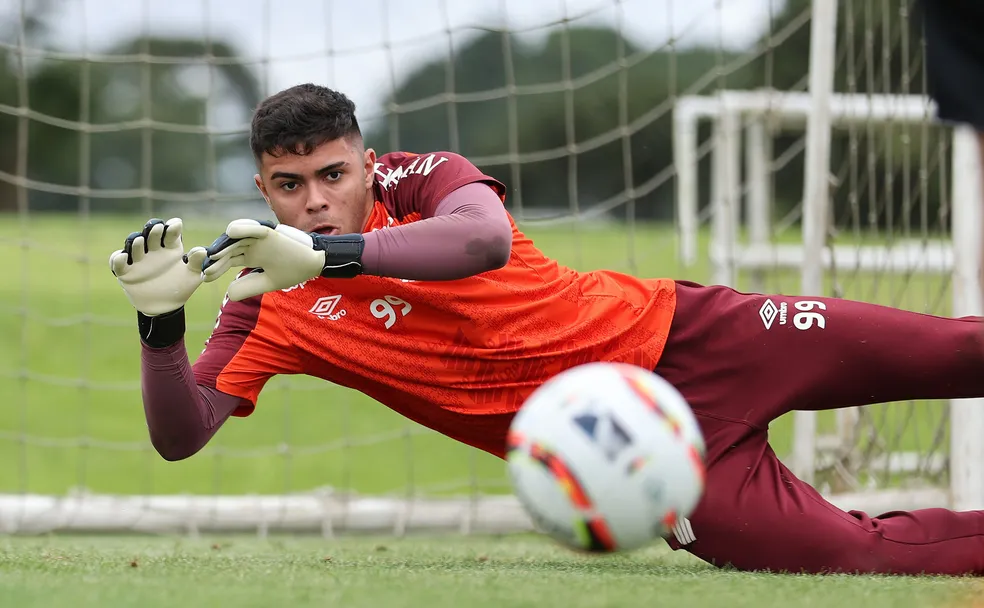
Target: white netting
(895, 186)
(111, 113)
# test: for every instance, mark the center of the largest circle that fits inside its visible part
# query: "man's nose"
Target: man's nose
(316, 200)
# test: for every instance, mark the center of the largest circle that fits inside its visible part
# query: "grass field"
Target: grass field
(414, 572)
(72, 416)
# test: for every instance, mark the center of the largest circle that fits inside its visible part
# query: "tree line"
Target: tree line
(516, 107)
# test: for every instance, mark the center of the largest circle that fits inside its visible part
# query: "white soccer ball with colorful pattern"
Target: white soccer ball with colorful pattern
(606, 457)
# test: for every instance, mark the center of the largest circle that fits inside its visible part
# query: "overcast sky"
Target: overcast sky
(297, 36)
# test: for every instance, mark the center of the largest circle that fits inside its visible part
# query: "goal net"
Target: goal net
(671, 138)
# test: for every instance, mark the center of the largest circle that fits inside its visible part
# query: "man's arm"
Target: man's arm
(185, 404)
(182, 416)
(469, 234)
(159, 278)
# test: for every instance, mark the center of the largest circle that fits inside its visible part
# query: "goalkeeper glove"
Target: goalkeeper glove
(158, 278)
(281, 255)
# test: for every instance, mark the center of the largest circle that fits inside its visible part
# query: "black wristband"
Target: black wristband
(163, 330)
(343, 254)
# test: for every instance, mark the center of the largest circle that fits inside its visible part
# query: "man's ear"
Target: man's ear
(262, 188)
(369, 158)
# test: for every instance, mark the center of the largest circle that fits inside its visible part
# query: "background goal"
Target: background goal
(773, 145)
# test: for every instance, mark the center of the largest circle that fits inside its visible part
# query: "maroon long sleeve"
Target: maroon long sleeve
(470, 233)
(182, 416)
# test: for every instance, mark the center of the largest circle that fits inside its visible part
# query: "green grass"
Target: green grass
(412, 572)
(71, 414)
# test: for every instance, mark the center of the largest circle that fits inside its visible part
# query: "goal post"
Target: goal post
(967, 415)
(816, 199)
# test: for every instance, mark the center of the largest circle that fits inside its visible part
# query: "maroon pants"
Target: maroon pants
(742, 360)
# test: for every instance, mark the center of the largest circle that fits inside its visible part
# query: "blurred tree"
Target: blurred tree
(23, 29)
(879, 51)
(584, 89)
(877, 170)
(879, 48)
(107, 109)
(573, 90)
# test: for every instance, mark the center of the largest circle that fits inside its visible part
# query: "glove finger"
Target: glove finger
(298, 235)
(138, 249)
(153, 234)
(237, 248)
(172, 232)
(253, 284)
(195, 259)
(241, 229)
(128, 246)
(220, 244)
(117, 262)
(219, 267)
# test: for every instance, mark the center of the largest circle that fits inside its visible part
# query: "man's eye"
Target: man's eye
(288, 186)
(333, 176)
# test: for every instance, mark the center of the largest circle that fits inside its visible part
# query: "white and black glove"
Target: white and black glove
(158, 278)
(281, 256)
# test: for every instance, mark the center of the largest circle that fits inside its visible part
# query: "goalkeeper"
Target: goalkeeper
(404, 277)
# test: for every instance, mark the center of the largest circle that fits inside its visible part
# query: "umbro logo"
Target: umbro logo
(769, 312)
(327, 308)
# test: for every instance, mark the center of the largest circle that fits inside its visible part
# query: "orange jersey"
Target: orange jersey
(460, 356)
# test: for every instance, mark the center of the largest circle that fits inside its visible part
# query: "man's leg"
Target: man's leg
(741, 360)
(753, 357)
(756, 515)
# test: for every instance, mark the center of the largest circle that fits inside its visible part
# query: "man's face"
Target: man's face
(327, 191)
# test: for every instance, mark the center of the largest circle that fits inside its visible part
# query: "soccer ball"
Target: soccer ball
(606, 457)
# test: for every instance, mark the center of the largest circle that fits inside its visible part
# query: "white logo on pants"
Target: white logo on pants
(683, 532)
(768, 313)
(805, 319)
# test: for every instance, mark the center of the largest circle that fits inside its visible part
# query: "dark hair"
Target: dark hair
(299, 119)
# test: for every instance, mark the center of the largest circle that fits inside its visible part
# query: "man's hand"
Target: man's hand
(153, 269)
(281, 255)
